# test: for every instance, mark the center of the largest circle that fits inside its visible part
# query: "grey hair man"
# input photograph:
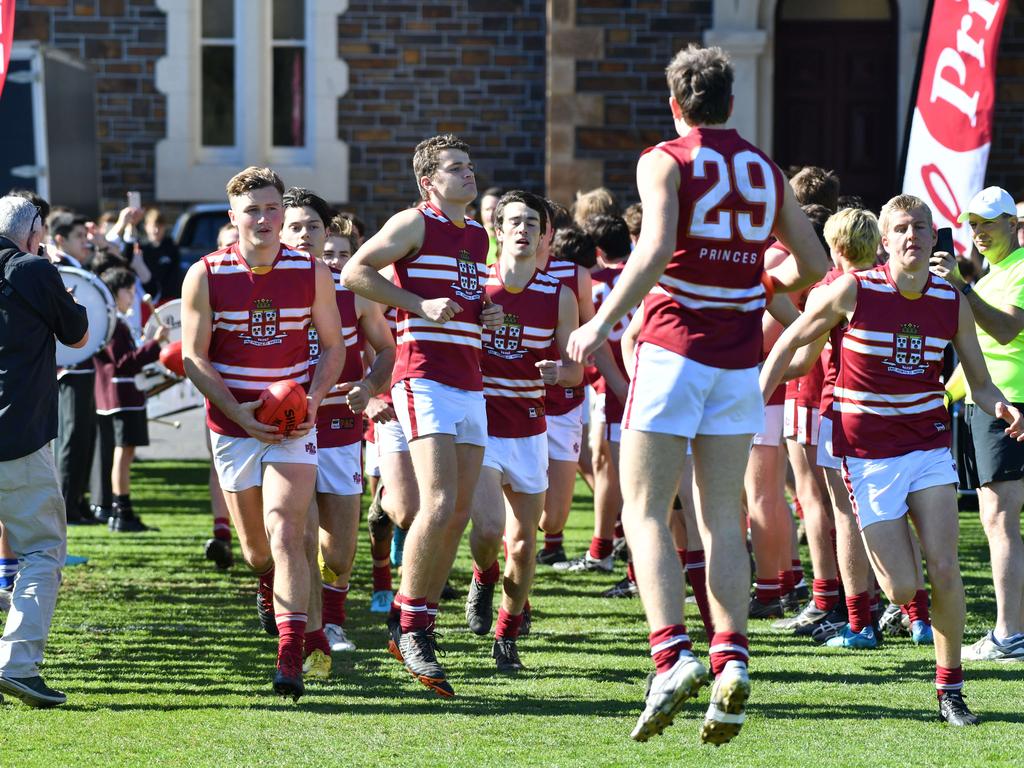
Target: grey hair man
(35, 309)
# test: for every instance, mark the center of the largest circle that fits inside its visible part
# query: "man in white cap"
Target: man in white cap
(994, 463)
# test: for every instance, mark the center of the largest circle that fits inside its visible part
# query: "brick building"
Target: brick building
(554, 94)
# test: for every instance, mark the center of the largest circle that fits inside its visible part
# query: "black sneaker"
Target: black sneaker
(791, 603)
(953, 710)
(32, 691)
(419, 653)
(449, 592)
(82, 520)
(479, 607)
(623, 588)
(526, 624)
(288, 683)
(100, 514)
(551, 556)
(506, 655)
(770, 610)
(219, 551)
(265, 611)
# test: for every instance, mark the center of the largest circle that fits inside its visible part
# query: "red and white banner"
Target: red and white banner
(951, 128)
(6, 38)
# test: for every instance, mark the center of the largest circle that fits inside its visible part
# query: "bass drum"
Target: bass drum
(89, 291)
(167, 315)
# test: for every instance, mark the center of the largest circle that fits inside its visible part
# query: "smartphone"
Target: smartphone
(134, 199)
(944, 241)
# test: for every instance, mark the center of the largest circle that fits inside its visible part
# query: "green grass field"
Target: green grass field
(164, 664)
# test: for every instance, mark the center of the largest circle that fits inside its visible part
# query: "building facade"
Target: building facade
(558, 95)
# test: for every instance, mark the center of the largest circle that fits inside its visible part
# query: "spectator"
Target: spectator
(34, 307)
(70, 239)
(162, 257)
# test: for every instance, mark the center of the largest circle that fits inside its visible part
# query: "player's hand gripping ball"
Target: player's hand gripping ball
(282, 405)
(170, 358)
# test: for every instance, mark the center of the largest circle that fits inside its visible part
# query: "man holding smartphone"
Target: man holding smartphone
(994, 463)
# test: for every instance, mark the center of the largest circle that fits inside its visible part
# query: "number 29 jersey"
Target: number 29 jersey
(707, 306)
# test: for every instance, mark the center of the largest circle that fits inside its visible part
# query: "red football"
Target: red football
(282, 405)
(170, 358)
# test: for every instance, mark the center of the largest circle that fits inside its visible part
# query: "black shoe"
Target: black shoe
(419, 653)
(526, 624)
(953, 710)
(623, 588)
(265, 610)
(506, 655)
(394, 636)
(32, 691)
(551, 556)
(479, 607)
(120, 523)
(288, 683)
(79, 520)
(770, 610)
(219, 551)
(834, 619)
(791, 603)
(449, 592)
(100, 514)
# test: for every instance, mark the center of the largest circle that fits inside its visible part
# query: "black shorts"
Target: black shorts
(130, 428)
(989, 455)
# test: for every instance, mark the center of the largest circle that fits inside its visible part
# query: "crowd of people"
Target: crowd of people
(741, 360)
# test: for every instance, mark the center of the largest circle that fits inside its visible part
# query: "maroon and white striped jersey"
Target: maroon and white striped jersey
(561, 400)
(603, 282)
(260, 325)
(336, 425)
(888, 398)
(451, 264)
(707, 305)
(513, 387)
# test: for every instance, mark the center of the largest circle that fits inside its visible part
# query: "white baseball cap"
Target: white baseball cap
(990, 203)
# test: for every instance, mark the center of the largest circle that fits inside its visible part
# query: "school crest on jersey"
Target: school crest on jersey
(507, 339)
(314, 344)
(468, 284)
(264, 325)
(908, 351)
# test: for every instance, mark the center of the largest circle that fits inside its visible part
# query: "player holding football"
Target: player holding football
(890, 420)
(339, 433)
(539, 312)
(439, 259)
(245, 316)
(712, 202)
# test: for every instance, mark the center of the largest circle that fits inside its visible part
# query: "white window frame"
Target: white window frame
(188, 172)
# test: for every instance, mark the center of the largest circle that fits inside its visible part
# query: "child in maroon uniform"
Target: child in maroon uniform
(119, 402)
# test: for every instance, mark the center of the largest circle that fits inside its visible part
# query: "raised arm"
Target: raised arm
(826, 308)
(986, 394)
(809, 262)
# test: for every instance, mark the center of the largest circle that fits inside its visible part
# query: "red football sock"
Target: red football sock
(222, 528)
(553, 541)
(826, 593)
(948, 679)
(488, 576)
(696, 574)
(334, 604)
(600, 548)
(382, 577)
(266, 587)
(316, 641)
(917, 609)
(508, 625)
(431, 616)
(767, 590)
(858, 607)
(786, 583)
(414, 613)
(291, 630)
(666, 645)
(726, 647)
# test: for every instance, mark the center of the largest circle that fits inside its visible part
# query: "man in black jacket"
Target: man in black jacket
(34, 308)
